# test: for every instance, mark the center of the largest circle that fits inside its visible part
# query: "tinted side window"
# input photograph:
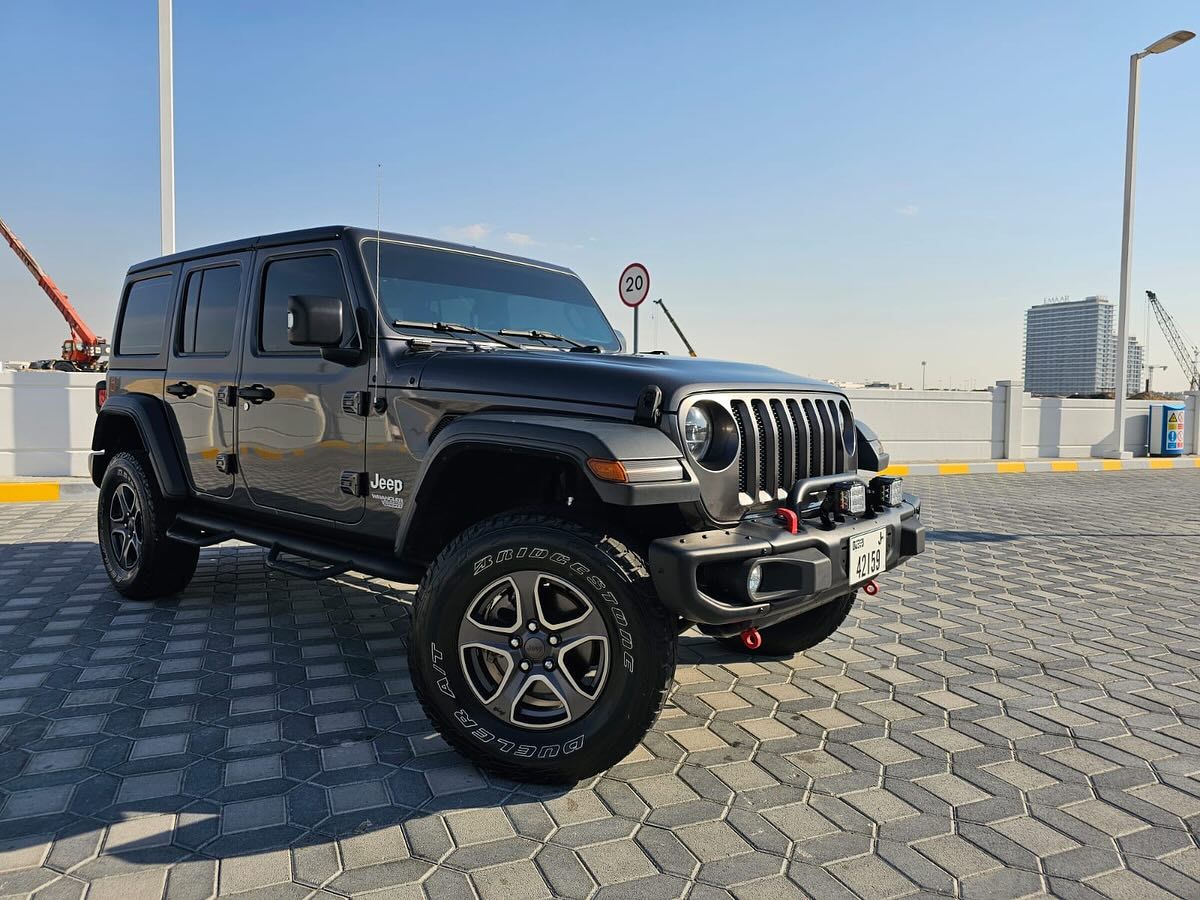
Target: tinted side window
(319, 276)
(210, 310)
(144, 315)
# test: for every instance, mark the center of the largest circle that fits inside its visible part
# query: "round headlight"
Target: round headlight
(697, 432)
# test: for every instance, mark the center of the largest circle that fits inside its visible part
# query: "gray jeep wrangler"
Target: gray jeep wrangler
(468, 421)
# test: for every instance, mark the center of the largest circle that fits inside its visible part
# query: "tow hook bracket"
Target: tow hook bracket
(871, 587)
(751, 638)
(789, 519)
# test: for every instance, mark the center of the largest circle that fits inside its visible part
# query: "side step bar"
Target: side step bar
(198, 537)
(310, 573)
(204, 529)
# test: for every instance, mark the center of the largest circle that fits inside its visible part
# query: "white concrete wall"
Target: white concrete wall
(926, 426)
(1052, 427)
(46, 421)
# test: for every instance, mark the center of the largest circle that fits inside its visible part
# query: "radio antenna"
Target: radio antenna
(378, 285)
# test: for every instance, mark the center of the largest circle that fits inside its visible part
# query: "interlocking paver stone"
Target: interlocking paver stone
(1016, 712)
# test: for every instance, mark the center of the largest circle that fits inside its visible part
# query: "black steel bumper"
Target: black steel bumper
(702, 576)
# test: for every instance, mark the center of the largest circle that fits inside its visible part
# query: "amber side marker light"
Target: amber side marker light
(608, 469)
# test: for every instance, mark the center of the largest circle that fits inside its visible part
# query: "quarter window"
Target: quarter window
(144, 316)
(294, 277)
(210, 310)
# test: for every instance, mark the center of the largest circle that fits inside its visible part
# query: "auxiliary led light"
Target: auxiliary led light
(851, 497)
(887, 490)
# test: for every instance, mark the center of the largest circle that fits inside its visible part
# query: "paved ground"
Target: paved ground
(1018, 712)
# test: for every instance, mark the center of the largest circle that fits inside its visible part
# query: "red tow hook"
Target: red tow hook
(871, 587)
(751, 639)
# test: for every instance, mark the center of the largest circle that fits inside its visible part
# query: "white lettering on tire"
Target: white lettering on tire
(550, 750)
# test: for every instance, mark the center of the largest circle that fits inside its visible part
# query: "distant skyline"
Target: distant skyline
(837, 191)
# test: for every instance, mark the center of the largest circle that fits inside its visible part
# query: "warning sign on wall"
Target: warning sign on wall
(1174, 439)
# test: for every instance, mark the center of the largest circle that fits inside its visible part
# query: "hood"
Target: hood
(610, 380)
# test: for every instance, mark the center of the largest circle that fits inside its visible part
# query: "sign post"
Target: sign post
(634, 287)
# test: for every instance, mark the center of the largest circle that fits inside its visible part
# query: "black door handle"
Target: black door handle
(255, 393)
(181, 389)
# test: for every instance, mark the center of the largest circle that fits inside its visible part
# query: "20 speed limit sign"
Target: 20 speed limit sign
(634, 285)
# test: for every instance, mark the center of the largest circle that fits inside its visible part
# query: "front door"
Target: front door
(202, 368)
(300, 437)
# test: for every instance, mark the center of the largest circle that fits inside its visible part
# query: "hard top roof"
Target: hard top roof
(326, 233)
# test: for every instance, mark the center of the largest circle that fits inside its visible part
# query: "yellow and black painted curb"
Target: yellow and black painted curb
(1017, 466)
(45, 491)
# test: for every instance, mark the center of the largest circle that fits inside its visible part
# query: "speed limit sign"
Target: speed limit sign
(634, 285)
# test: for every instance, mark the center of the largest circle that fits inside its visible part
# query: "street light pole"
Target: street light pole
(922, 374)
(1120, 388)
(166, 127)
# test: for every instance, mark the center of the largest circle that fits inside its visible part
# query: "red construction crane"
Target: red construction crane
(84, 351)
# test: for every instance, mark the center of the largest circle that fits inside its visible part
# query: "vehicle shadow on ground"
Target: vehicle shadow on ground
(196, 726)
(970, 537)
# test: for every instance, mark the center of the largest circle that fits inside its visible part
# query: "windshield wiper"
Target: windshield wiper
(457, 328)
(543, 336)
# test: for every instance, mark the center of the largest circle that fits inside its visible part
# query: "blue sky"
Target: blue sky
(841, 190)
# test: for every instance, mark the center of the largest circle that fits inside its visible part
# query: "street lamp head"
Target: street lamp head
(1170, 42)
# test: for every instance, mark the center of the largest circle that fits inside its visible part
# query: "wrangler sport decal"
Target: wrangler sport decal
(386, 491)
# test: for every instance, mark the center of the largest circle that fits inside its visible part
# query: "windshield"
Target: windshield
(423, 284)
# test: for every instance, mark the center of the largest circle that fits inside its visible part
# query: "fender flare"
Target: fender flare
(154, 428)
(569, 438)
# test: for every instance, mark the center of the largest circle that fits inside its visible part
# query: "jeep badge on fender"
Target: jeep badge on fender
(470, 423)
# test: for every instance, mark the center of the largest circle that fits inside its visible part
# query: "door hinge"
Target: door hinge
(354, 483)
(227, 395)
(356, 403)
(227, 463)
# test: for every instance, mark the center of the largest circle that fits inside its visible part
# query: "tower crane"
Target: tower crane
(1185, 351)
(83, 351)
(675, 325)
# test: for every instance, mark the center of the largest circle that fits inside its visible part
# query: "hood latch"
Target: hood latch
(649, 406)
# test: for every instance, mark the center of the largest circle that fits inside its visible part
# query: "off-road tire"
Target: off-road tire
(794, 635)
(163, 566)
(612, 578)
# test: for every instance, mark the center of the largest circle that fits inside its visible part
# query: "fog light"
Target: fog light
(754, 580)
(887, 490)
(851, 497)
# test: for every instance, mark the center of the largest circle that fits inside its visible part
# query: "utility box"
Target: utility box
(1166, 429)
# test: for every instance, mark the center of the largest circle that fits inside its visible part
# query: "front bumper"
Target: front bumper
(701, 577)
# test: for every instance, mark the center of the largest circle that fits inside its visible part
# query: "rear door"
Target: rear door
(299, 433)
(202, 368)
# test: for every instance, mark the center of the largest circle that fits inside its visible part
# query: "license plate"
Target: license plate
(867, 555)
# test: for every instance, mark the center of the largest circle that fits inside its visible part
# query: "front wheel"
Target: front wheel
(538, 648)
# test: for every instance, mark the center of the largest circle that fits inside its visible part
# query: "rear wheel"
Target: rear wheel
(141, 561)
(539, 649)
(801, 633)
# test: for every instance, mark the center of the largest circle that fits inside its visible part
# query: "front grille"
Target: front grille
(786, 438)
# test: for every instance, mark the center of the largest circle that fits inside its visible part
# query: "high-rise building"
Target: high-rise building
(1070, 348)
(1133, 375)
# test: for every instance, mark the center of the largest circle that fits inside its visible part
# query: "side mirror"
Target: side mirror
(315, 321)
